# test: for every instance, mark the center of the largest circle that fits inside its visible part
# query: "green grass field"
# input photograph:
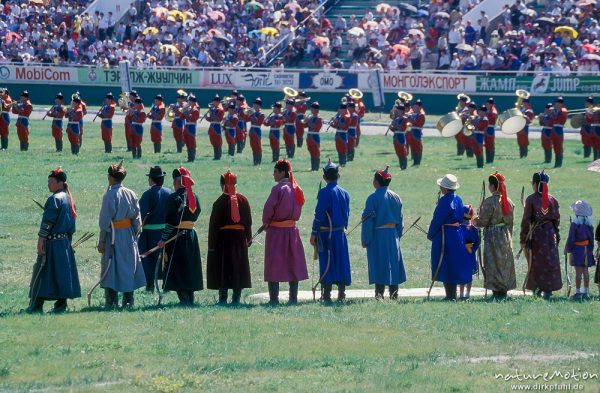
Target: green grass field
(411, 345)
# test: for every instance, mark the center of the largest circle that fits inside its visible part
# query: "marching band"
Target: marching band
(474, 127)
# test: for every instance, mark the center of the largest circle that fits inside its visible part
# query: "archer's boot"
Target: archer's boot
(587, 150)
(547, 156)
(450, 288)
(559, 161)
(326, 292)
(157, 147)
(403, 163)
(379, 290)
(460, 149)
(300, 141)
(479, 161)
(470, 152)
(4, 143)
(128, 300)
(60, 306)
(273, 293)
(36, 307)
(293, 297)
(393, 292)
(223, 295)
(111, 298)
(231, 150)
(341, 292)
(236, 296)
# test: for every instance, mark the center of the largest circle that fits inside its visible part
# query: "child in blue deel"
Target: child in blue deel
(472, 242)
(580, 245)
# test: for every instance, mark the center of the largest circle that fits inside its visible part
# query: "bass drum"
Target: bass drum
(511, 121)
(449, 124)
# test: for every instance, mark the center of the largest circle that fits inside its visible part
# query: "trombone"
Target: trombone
(589, 109)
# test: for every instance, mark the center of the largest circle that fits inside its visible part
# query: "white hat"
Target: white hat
(449, 182)
(581, 208)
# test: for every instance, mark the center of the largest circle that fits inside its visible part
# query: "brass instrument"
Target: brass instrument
(589, 109)
(356, 94)
(458, 97)
(248, 111)
(469, 126)
(404, 96)
(122, 101)
(289, 93)
(171, 112)
(521, 95)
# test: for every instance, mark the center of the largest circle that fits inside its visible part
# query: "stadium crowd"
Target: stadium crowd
(226, 33)
(156, 33)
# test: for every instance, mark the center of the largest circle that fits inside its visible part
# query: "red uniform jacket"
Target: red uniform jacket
(481, 123)
(23, 109)
(139, 116)
(341, 122)
(289, 117)
(231, 121)
(75, 114)
(559, 117)
(257, 119)
(57, 112)
(274, 121)
(6, 104)
(157, 113)
(418, 119)
(192, 114)
(399, 123)
(492, 115)
(314, 123)
(216, 114)
(353, 120)
(107, 112)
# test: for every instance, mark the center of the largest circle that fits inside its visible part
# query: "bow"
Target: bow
(166, 276)
(569, 286)
(39, 204)
(365, 218)
(480, 233)
(314, 288)
(105, 273)
(413, 225)
(523, 196)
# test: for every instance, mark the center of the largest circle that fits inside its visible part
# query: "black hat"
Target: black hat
(302, 94)
(216, 98)
(58, 174)
(235, 93)
(316, 105)
(548, 105)
(110, 96)
(156, 171)
(76, 99)
(343, 106)
(418, 102)
(289, 101)
(351, 104)
(25, 93)
(491, 100)
(231, 105)
(258, 101)
(133, 93)
(117, 171)
(184, 96)
(5, 90)
(590, 99)
(331, 170)
(192, 98)
(526, 100)
(483, 108)
(241, 98)
(176, 173)
(472, 104)
(277, 105)
(463, 98)
(60, 96)
(158, 97)
(138, 100)
(560, 100)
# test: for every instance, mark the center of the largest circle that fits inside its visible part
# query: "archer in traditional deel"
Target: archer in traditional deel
(449, 263)
(496, 216)
(540, 235)
(472, 243)
(382, 226)
(120, 226)
(331, 219)
(229, 236)
(284, 252)
(182, 266)
(54, 274)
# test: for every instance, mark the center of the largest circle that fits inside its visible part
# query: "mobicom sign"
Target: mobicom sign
(42, 74)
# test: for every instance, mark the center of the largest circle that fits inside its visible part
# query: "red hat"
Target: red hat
(503, 194)
(384, 174)
(229, 181)
(187, 182)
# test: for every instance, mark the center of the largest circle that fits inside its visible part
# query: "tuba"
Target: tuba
(404, 96)
(356, 94)
(521, 95)
(171, 112)
(461, 95)
(289, 93)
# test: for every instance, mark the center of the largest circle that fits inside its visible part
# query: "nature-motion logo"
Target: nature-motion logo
(4, 72)
(92, 75)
